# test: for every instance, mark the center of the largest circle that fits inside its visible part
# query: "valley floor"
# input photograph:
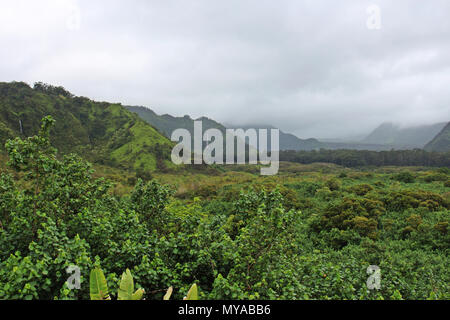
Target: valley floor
(311, 232)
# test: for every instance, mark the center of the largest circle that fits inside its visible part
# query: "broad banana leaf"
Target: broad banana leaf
(168, 294)
(192, 293)
(138, 294)
(98, 286)
(126, 288)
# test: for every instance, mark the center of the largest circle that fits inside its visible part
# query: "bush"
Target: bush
(436, 177)
(361, 190)
(405, 177)
(351, 215)
(333, 184)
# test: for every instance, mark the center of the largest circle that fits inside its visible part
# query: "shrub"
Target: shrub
(436, 177)
(333, 184)
(351, 214)
(361, 190)
(405, 177)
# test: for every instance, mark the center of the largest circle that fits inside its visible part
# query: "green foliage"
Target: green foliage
(349, 217)
(100, 132)
(149, 200)
(192, 293)
(361, 189)
(126, 288)
(294, 236)
(98, 285)
(333, 184)
(361, 158)
(441, 142)
(168, 294)
(405, 176)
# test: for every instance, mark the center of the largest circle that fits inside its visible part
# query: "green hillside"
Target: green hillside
(166, 124)
(287, 141)
(441, 142)
(101, 132)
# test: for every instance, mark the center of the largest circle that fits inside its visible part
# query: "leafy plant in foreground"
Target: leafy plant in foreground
(99, 287)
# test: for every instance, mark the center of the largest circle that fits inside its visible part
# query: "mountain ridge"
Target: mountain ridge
(441, 142)
(101, 132)
(136, 137)
(391, 134)
(166, 124)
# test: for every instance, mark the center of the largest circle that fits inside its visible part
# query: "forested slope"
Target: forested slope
(101, 132)
(441, 142)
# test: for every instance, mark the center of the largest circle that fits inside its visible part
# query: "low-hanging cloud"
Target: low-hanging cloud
(313, 68)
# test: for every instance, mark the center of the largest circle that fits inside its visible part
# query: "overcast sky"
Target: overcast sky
(313, 67)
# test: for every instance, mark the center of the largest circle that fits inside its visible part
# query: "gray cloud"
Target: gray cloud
(310, 67)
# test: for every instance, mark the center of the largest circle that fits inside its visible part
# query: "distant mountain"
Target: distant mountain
(287, 141)
(441, 142)
(166, 124)
(137, 137)
(352, 145)
(291, 142)
(101, 132)
(412, 137)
